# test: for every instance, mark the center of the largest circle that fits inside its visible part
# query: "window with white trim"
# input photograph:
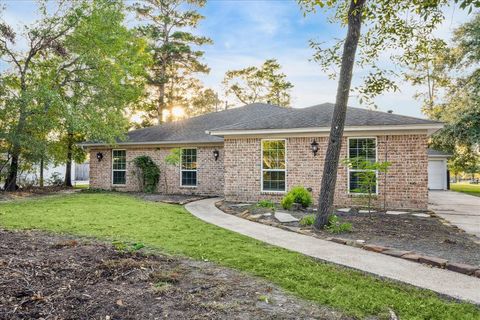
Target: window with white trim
(119, 167)
(189, 167)
(273, 165)
(360, 149)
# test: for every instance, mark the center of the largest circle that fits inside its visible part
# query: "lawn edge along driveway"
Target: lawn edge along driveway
(171, 229)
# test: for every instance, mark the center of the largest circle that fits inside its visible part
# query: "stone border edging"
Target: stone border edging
(412, 256)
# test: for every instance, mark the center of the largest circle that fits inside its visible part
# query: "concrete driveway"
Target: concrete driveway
(458, 208)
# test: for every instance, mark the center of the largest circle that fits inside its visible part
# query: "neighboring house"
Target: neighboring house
(264, 150)
(54, 174)
(437, 170)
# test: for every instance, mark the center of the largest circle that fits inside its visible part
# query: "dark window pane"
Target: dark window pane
(119, 177)
(189, 178)
(274, 180)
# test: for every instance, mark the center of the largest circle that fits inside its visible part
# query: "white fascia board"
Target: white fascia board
(431, 128)
(152, 143)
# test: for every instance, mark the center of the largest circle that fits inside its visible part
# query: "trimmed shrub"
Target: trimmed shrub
(307, 220)
(287, 201)
(265, 204)
(336, 226)
(300, 195)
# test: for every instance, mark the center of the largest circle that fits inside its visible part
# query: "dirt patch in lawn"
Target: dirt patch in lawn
(167, 198)
(425, 235)
(35, 192)
(54, 277)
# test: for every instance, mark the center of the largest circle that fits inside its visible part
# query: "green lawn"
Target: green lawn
(171, 229)
(472, 189)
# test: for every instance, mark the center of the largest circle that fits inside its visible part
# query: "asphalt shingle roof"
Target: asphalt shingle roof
(321, 116)
(194, 129)
(260, 116)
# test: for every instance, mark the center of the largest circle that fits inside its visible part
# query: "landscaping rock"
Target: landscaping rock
(374, 248)
(245, 214)
(255, 216)
(346, 210)
(294, 229)
(285, 217)
(477, 273)
(433, 261)
(395, 213)
(396, 253)
(360, 241)
(421, 215)
(411, 256)
(268, 214)
(366, 211)
(461, 267)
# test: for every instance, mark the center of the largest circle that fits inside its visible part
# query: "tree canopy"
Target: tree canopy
(259, 84)
(169, 30)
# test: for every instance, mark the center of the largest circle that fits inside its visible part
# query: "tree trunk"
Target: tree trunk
(41, 172)
(11, 181)
(332, 155)
(68, 167)
(161, 102)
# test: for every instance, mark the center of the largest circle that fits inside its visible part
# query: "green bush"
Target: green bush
(265, 204)
(299, 195)
(287, 201)
(335, 225)
(307, 220)
(150, 173)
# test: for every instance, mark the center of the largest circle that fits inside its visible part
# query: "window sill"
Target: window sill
(272, 192)
(188, 187)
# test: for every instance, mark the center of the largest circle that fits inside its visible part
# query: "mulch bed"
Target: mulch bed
(45, 276)
(429, 236)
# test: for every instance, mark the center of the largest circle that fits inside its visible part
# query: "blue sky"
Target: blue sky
(247, 32)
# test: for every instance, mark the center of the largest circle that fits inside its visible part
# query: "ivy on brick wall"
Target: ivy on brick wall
(148, 173)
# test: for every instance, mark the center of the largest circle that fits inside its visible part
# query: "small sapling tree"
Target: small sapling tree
(172, 159)
(366, 177)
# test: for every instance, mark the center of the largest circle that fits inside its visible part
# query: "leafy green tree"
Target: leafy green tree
(168, 28)
(455, 72)
(389, 26)
(102, 75)
(205, 101)
(259, 84)
(28, 104)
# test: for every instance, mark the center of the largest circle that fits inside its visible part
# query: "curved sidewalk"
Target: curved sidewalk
(442, 281)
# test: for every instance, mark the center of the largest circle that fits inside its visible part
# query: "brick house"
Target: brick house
(260, 151)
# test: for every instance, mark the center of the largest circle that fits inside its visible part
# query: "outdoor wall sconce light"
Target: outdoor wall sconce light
(216, 154)
(314, 147)
(99, 156)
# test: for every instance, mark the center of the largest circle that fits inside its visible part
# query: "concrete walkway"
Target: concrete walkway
(442, 281)
(460, 209)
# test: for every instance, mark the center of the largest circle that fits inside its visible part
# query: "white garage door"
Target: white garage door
(436, 174)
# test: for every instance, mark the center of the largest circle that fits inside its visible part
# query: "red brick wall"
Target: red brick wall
(210, 173)
(406, 179)
(237, 173)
